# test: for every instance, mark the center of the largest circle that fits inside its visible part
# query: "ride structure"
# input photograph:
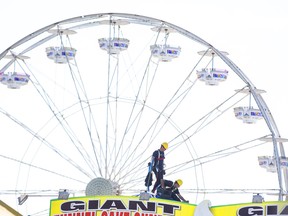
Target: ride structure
(93, 119)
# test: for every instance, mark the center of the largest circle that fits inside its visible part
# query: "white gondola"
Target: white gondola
(269, 163)
(60, 55)
(14, 80)
(248, 115)
(212, 76)
(165, 53)
(113, 45)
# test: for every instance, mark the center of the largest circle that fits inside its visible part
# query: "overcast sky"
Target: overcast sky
(253, 32)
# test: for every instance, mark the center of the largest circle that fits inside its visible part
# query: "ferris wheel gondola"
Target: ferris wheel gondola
(212, 76)
(14, 80)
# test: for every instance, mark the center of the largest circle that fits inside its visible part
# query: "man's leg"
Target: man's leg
(157, 181)
(159, 176)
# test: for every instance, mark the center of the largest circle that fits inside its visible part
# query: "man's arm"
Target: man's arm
(153, 158)
(182, 198)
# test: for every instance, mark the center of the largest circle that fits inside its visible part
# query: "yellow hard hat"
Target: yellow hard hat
(179, 182)
(165, 145)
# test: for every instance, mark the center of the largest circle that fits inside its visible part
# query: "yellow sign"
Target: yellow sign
(132, 206)
(118, 206)
(252, 209)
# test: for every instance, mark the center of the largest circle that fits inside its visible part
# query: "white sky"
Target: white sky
(254, 33)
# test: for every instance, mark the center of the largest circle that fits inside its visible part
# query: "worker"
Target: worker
(169, 190)
(158, 157)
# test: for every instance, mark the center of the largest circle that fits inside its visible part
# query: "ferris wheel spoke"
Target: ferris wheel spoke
(135, 119)
(44, 141)
(60, 116)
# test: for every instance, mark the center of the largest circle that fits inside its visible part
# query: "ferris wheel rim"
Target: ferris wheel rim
(155, 22)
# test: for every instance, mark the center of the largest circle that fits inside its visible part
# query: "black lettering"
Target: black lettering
(93, 204)
(284, 211)
(168, 209)
(113, 204)
(250, 211)
(135, 205)
(271, 210)
(73, 206)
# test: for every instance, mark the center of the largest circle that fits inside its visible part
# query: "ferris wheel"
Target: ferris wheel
(91, 97)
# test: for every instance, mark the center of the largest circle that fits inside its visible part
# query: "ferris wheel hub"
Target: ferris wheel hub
(101, 186)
